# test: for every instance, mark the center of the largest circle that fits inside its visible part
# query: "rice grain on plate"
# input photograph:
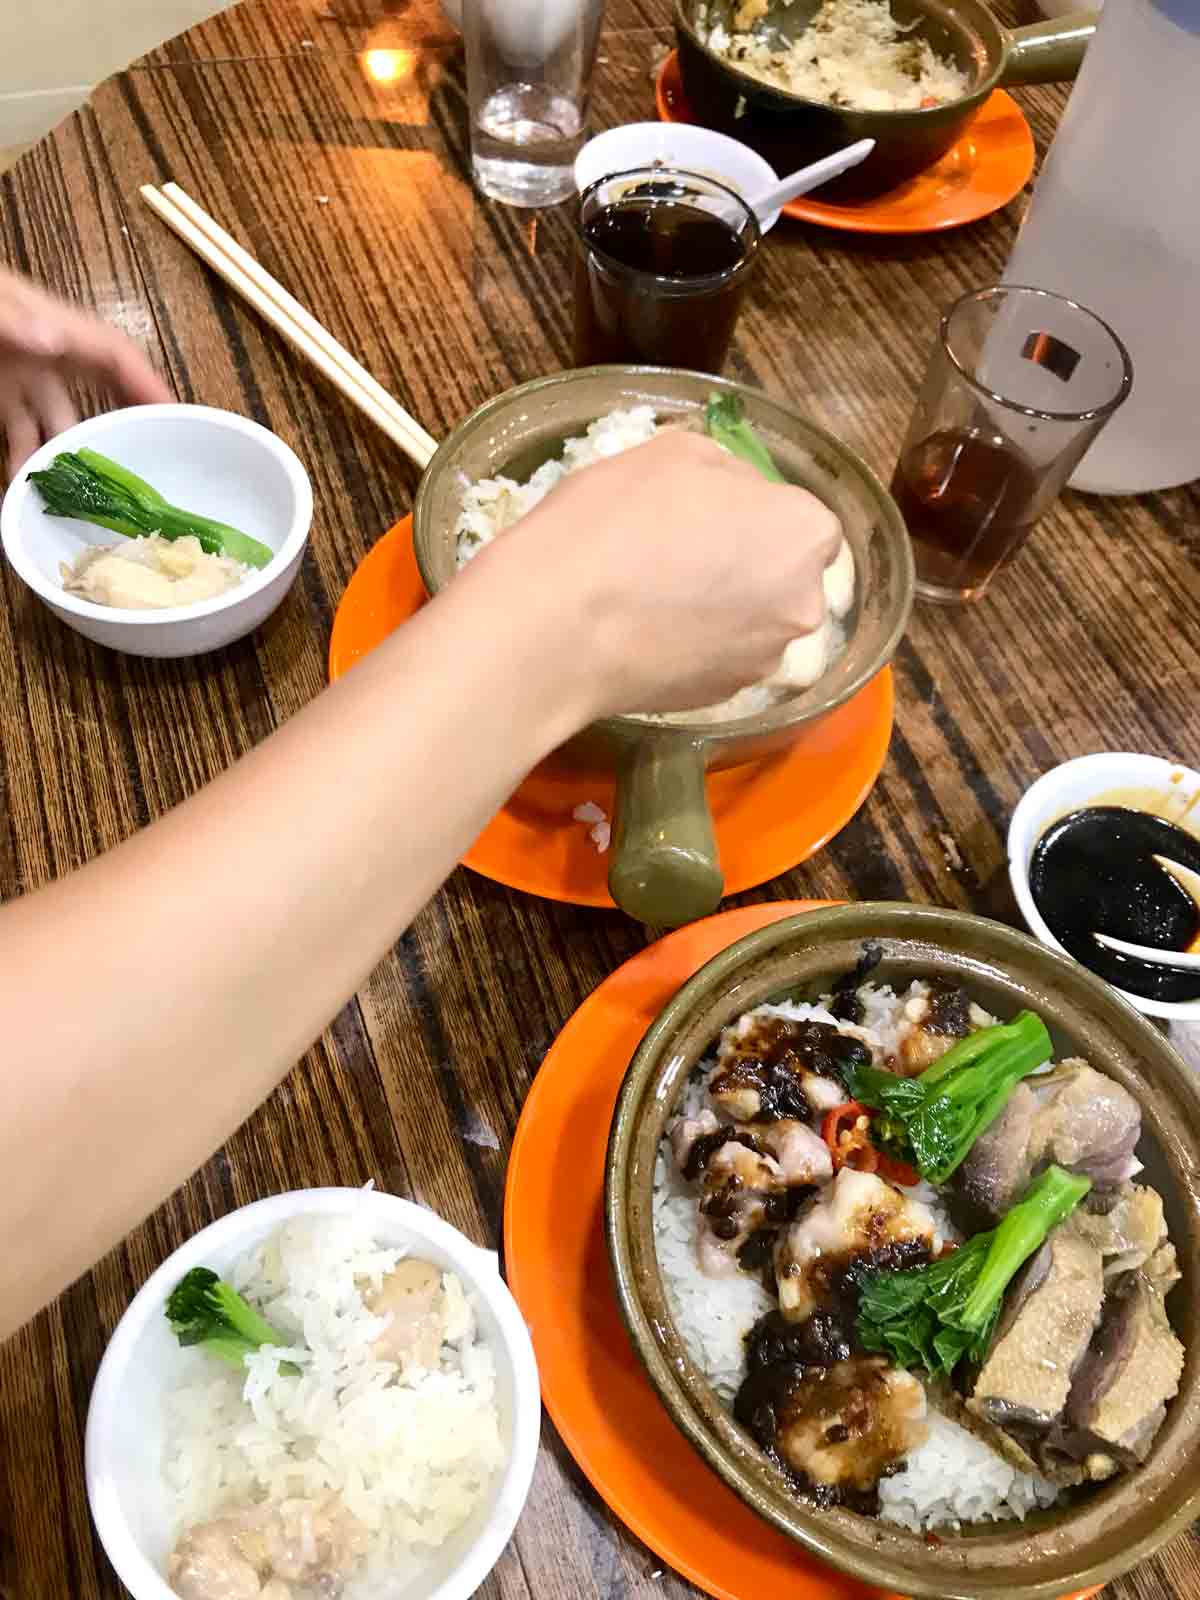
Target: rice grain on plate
(408, 1453)
(853, 54)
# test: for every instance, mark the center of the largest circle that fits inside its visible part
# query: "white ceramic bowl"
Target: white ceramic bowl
(125, 1418)
(676, 144)
(212, 462)
(1079, 783)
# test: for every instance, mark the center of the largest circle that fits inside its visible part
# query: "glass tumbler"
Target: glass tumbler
(662, 262)
(1019, 384)
(529, 84)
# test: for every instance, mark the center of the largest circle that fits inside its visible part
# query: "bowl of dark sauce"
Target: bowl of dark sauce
(1082, 849)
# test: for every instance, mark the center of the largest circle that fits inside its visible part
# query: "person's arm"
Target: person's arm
(154, 998)
(44, 346)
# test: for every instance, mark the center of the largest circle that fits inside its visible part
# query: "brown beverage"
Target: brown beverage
(658, 282)
(968, 505)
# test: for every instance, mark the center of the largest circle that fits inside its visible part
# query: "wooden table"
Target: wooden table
(330, 136)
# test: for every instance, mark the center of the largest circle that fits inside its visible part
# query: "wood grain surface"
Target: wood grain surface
(355, 193)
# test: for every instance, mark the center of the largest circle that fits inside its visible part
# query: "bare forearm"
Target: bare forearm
(155, 998)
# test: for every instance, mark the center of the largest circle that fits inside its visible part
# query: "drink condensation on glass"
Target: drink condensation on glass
(529, 84)
(1020, 383)
(662, 262)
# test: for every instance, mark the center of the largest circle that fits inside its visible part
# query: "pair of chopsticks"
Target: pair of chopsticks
(288, 317)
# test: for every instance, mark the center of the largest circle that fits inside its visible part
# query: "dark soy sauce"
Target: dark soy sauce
(657, 281)
(1094, 872)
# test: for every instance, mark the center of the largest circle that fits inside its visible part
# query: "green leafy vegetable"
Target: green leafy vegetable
(203, 1309)
(724, 421)
(89, 486)
(933, 1120)
(936, 1316)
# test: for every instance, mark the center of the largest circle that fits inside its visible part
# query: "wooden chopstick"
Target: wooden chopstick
(288, 317)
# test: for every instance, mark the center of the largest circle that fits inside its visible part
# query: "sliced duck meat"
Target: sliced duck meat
(835, 1429)
(999, 1166)
(937, 1021)
(1087, 1123)
(771, 1065)
(1074, 1116)
(1051, 1312)
(1119, 1397)
(856, 1216)
(742, 1190)
(1127, 1231)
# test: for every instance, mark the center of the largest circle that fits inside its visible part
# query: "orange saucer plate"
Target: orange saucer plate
(986, 169)
(593, 1386)
(769, 815)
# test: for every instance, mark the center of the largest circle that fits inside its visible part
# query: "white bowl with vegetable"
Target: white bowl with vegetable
(207, 517)
(346, 1403)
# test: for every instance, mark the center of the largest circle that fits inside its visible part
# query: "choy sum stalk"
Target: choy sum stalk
(936, 1316)
(90, 487)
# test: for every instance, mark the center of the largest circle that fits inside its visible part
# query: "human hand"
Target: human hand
(44, 345)
(686, 572)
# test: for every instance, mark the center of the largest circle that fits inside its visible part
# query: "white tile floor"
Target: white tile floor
(53, 54)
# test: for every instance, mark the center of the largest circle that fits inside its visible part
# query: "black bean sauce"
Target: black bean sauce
(1094, 872)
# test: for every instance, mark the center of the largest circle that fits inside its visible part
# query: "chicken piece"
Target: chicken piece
(803, 1155)
(207, 1565)
(1129, 1232)
(1074, 1116)
(939, 1020)
(413, 1296)
(771, 1066)
(857, 1216)
(257, 1553)
(684, 1133)
(1050, 1314)
(1119, 1398)
(744, 1190)
(838, 1428)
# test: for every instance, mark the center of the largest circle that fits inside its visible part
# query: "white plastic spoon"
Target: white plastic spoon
(768, 201)
(1186, 879)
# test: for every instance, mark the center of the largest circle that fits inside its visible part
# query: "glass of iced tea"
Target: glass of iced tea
(662, 262)
(1020, 383)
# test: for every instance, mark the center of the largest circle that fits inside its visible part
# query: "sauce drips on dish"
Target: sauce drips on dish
(1093, 871)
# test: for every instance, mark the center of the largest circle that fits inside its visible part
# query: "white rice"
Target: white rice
(410, 1455)
(494, 505)
(954, 1478)
(852, 54)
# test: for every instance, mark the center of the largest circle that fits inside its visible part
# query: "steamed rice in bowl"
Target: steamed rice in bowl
(493, 505)
(765, 1238)
(383, 1446)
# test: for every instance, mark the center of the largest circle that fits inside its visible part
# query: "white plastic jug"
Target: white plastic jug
(1115, 224)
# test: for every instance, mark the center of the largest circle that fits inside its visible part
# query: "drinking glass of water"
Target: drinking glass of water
(529, 82)
(1019, 384)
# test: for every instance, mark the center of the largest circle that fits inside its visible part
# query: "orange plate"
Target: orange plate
(988, 166)
(769, 815)
(556, 1263)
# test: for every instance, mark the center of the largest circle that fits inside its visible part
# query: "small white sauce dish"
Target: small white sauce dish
(125, 1426)
(1090, 780)
(212, 462)
(676, 144)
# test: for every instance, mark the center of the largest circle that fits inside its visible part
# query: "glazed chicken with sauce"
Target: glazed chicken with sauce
(770, 1066)
(858, 1214)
